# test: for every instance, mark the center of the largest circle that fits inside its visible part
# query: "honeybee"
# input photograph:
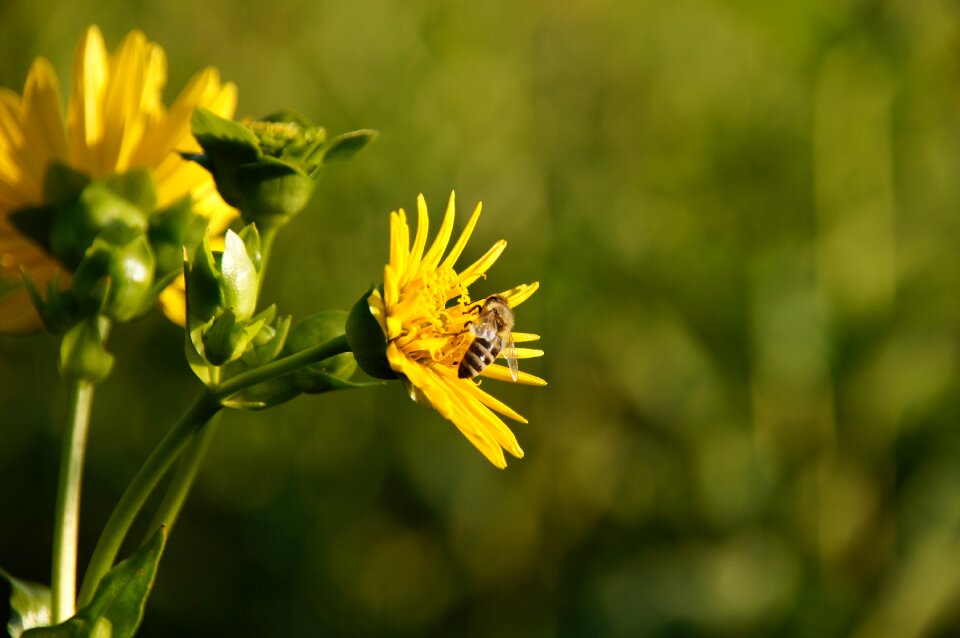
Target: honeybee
(492, 335)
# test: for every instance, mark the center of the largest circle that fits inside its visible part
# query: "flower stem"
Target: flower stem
(280, 367)
(193, 456)
(199, 412)
(183, 477)
(67, 515)
(208, 404)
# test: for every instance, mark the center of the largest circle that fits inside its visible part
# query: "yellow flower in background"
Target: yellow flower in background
(115, 122)
(426, 313)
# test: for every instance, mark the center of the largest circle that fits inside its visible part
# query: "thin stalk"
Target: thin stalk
(183, 478)
(197, 415)
(139, 489)
(67, 514)
(281, 367)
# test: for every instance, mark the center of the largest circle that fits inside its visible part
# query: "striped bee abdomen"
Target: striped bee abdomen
(479, 355)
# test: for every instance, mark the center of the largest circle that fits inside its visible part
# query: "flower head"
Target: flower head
(426, 314)
(115, 123)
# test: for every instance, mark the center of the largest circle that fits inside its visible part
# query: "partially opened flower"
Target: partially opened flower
(426, 314)
(115, 123)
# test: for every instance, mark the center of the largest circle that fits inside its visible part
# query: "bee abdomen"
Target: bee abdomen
(480, 354)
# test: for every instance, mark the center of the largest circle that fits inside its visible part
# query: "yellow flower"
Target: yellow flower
(426, 313)
(116, 122)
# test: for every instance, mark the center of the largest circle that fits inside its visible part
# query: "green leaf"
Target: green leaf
(221, 136)
(29, 605)
(117, 606)
(346, 145)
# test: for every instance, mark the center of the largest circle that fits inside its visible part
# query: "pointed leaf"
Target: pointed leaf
(346, 145)
(117, 606)
(221, 136)
(29, 605)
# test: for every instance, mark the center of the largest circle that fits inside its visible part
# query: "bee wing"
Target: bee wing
(509, 353)
(484, 328)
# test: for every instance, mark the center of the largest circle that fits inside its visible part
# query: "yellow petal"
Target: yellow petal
(432, 258)
(475, 270)
(502, 373)
(516, 296)
(458, 247)
(42, 121)
(173, 302)
(84, 116)
(419, 240)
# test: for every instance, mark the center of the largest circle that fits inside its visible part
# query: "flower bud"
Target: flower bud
(120, 200)
(117, 272)
(222, 290)
(82, 354)
(267, 168)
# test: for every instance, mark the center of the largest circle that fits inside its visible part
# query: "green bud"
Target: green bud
(268, 167)
(312, 331)
(219, 281)
(367, 341)
(117, 272)
(122, 200)
(238, 275)
(82, 353)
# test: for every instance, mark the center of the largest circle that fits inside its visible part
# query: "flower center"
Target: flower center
(435, 312)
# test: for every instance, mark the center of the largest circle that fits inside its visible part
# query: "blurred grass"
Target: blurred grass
(744, 219)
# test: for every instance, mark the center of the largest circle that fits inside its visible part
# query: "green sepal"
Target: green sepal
(225, 143)
(204, 296)
(367, 341)
(121, 200)
(346, 145)
(82, 351)
(60, 310)
(116, 609)
(29, 605)
(269, 342)
(270, 192)
(62, 184)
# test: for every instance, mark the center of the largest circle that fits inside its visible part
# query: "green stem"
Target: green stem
(67, 515)
(281, 367)
(198, 414)
(183, 477)
(193, 456)
(126, 510)
(266, 247)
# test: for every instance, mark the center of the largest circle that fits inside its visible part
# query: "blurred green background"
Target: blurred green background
(744, 216)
